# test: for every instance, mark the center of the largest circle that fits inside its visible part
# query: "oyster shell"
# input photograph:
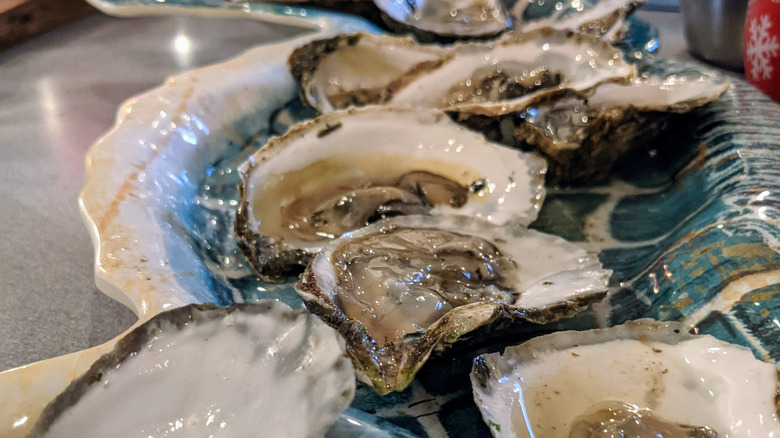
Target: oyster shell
(484, 79)
(486, 87)
(405, 287)
(651, 376)
(344, 170)
(203, 370)
(446, 20)
(450, 20)
(583, 138)
(602, 18)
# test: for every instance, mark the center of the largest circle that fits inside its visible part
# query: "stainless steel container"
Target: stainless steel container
(714, 30)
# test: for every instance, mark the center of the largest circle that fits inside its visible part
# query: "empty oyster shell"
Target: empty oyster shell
(446, 20)
(344, 170)
(602, 18)
(203, 370)
(584, 138)
(405, 287)
(485, 79)
(653, 377)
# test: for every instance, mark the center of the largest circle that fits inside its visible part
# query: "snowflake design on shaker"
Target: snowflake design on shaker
(761, 48)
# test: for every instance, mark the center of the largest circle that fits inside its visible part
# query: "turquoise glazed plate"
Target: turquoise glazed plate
(690, 225)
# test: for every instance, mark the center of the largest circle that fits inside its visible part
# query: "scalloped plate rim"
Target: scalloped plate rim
(41, 381)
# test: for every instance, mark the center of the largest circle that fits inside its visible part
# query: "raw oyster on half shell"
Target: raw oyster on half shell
(446, 20)
(643, 378)
(583, 138)
(203, 370)
(347, 169)
(486, 79)
(405, 287)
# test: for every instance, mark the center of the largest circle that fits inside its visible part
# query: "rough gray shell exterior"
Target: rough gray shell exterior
(270, 260)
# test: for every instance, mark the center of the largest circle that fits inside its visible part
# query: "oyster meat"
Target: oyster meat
(643, 378)
(347, 169)
(407, 286)
(602, 18)
(444, 20)
(203, 370)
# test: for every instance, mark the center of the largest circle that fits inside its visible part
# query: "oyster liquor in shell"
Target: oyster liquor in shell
(345, 170)
(643, 378)
(405, 287)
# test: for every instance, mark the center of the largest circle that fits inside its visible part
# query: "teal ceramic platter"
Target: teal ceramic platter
(690, 224)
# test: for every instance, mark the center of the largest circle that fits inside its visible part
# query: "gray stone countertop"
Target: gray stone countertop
(58, 95)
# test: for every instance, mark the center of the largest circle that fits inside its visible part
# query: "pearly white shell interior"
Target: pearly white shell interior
(235, 375)
(661, 93)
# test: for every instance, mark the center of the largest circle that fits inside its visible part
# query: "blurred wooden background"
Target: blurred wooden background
(21, 20)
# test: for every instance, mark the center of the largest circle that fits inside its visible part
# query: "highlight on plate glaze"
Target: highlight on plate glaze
(689, 225)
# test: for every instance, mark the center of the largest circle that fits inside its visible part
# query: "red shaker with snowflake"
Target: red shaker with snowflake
(762, 46)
